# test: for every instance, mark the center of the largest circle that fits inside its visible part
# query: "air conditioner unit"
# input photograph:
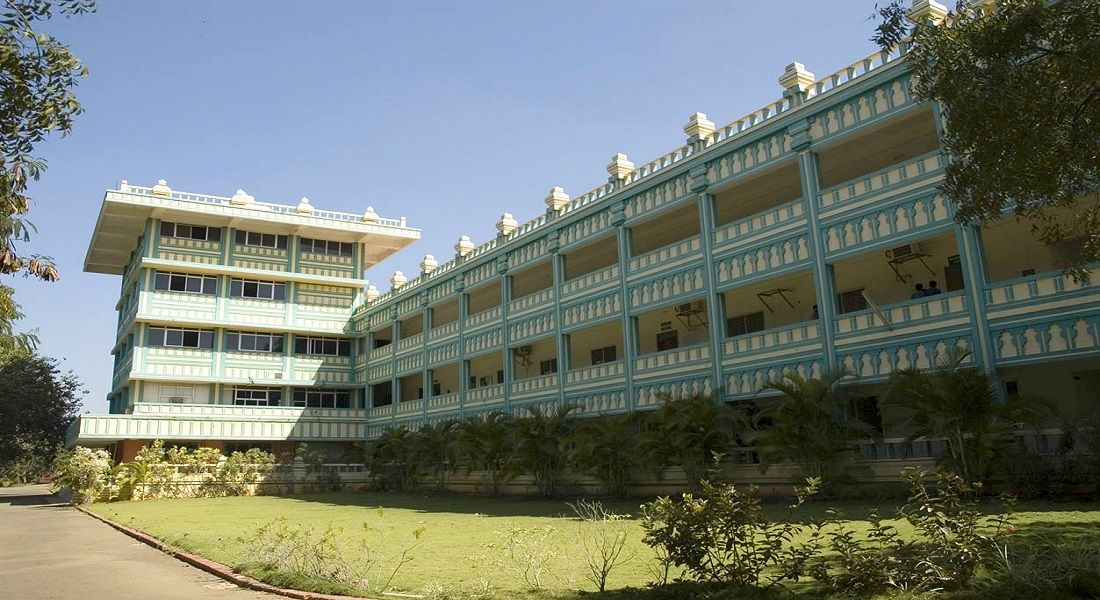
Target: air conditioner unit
(690, 308)
(904, 251)
(176, 399)
(278, 375)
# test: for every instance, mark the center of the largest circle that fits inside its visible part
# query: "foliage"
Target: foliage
(723, 536)
(959, 404)
(606, 448)
(690, 432)
(37, 77)
(1019, 87)
(395, 459)
(87, 473)
(486, 443)
(439, 447)
(303, 551)
(37, 404)
(526, 552)
(809, 425)
(953, 540)
(541, 450)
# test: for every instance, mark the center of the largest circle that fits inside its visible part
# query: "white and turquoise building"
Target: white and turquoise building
(788, 240)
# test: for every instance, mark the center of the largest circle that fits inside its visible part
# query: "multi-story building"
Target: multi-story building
(233, 318)
(788, 240)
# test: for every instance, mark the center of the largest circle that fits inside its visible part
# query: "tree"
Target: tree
(438, 445)
(395, 459)
(1020, 88)
(606, 448)
(691, 432)
(37, 404)
(541, 445)
(809, 425)
(959, 404)
(486, 443)
(37, 78)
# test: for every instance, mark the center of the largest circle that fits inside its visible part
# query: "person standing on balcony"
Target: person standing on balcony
(918, 292)
(933, 289)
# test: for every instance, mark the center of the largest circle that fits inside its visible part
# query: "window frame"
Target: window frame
(238, 286)
(208, 284)
(234, 342)
(745, 323)
(159, 337)
(257, 396)
(602, 353)
(318, 346)
(257, 239)
(318, 398)
(187, 231)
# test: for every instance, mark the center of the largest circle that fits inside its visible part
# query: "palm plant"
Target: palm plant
(606, 447)
(395, 459)
(438, 445)
(691, 432)
(486, 442)
(960, 405)
(541, 449)
(809, 425)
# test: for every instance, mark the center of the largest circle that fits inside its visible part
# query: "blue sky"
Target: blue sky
(446, 113)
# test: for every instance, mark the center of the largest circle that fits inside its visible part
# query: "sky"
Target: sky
(447, 113)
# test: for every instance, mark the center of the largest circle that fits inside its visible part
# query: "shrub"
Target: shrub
(603, 538)
(526, 552)
(723, 536)
(85, 472)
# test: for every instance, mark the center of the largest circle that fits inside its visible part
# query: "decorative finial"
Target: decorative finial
(620, 167)
(304, 207)
(241, 198)
(925, 11)
(506, 224)
(557, 200)
(398, 279)
(698, 127)
(372, 293)
(796, 76)
(161, 188)
(428, 264)
(124, 186)
(464, 246)
(369, 215)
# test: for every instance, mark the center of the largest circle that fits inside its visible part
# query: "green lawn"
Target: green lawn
(457, 530)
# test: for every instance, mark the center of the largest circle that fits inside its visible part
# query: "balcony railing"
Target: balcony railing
(535, 384)
(1038, 287)
(591, 373)
(780, 218)
(483, 317)
(591, 280)
(672, 358)
(443, 331)
(531, 301)
(442, 401)
(876, 182)
(909, 312)
(665, 255)
(758, 344)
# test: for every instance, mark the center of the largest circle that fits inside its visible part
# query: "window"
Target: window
(190, 232)
(322, 346)
(253, 342)
(176, 393)
(261, 240)
(181, 338)
(322, 399)
(851, 301)
(547, 367)
(180, 282)
(264, 290)
(743, 324)
(603, 355)
(257, 396)
(668, 340)
(325, 247)
(381, 343)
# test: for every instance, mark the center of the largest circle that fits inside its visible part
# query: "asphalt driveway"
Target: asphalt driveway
(50, 550)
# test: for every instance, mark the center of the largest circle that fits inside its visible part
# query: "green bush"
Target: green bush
(86, 473)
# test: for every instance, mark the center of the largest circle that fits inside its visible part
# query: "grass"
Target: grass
(458, 529)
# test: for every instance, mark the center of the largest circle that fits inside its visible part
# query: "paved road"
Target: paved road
(51, 551)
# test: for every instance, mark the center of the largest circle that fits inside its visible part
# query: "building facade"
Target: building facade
(789, 240)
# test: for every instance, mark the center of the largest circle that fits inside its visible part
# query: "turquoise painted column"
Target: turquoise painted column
(630, 334)
(972, 257)
(553, 246)
(824, 283)
(395, 383)
(715, 308)
(463, 368)
(506, 343)
(425, 326)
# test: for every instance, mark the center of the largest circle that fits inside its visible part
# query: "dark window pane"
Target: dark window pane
(173, 337)
(280, 291)
(162, 281)
(214, 234)
(235, 288)
(277, 344)
(345, 348)
(183, 231)
(281, 242)
(275, 396)
(206, 339)
(232, 341)
(342, 400)
(191, 339)
(167, 229)
(263, 343)
(301, 345)
(263, 290)
(178, 283)
(330, 348)
(609, 354)
(156, 336)
(210, 286)
(248, 342)
(251, 289)
(198, 232)
(305, 245)
(242, 236)
(194, 284)
(345, 249)
(269, 240)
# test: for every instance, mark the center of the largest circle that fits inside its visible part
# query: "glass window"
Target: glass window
(264, 290)
(547, 367)
(173, 337)
(181, 338)
(156, 336)
(603, 355)
(179, 282)
(257, 396)
(744, 324)
(322, 346)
